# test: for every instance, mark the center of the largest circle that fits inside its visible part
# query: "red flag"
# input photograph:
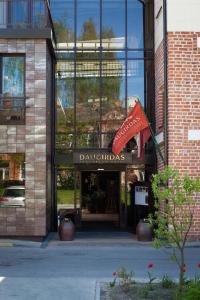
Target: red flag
(134, 123)
(143, 137)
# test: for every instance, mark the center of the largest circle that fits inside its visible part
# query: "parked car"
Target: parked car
(13, 196)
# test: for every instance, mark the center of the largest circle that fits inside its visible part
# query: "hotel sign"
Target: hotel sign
(84, 157)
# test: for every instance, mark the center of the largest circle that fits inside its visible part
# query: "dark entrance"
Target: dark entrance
(100, 200)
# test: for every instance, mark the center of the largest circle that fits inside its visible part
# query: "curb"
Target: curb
(6, 244)
(46, 240)
(19, 243)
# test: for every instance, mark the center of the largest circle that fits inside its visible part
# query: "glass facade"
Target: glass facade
(101, 71)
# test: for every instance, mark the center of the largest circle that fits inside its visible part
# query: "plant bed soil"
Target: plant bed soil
(137, 291)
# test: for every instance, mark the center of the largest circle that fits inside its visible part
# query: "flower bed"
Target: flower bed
(137, 291)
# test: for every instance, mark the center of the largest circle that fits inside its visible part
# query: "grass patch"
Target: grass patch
(1, 191)
(65, 196)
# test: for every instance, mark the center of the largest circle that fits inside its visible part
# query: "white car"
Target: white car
(13, 196)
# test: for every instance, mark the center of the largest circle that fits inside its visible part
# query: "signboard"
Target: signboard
(141, 194)
(105, 157)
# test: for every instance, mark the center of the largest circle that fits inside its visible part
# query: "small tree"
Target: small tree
(175, 205)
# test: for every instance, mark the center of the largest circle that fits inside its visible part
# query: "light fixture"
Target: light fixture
(100, 169)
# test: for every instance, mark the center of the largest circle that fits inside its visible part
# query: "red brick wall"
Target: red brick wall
(183, 106)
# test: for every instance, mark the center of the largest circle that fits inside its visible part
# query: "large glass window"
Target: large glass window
(65, 97)
(12, 180)
(63, 16)
(68, 188)
(12, 90)
(87, 96)
(100, 72)
(135, 34)
(88, 24)
(113, 94)
(135, 82)
(113, 24)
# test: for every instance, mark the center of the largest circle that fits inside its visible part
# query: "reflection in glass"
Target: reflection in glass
(39, 14)
(93, 76)
(107, 139)
(12, 180)
(87, 96)
(135, 82)
(64, 55)
(65, 187)
(88, 20)
(13, 75)
(63, 19)
(64, 141)
(87, 140)
(113, 54)
(135, 24)
(136, 54)
(113, 94)
(12, 90)
(122, 187)
(113, 24)
(19, 19)
(78, 196)
(65, 97)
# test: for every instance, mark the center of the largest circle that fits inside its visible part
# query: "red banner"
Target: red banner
(134, 123)
(143, 137)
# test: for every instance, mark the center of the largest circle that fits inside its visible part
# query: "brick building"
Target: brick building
(70, 71)
(177, 89)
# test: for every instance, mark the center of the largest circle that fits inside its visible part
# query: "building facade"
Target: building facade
(27, 67)
(70, 73)
(177, 89)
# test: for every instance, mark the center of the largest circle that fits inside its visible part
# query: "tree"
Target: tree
(88, 31)
(175, 205)
(63, 33)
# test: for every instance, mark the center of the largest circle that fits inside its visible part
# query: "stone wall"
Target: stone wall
(29, 139)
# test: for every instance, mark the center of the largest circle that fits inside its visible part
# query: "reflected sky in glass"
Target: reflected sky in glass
(135, 82)
(13, 76)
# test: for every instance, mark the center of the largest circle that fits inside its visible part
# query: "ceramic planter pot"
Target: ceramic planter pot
(66, 230)
(144, 231)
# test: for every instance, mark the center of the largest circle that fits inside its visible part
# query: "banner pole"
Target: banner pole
(153, 136)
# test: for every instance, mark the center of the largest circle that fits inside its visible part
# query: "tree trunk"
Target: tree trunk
(181, 274)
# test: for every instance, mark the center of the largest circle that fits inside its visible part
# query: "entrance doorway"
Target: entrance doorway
(100, 194)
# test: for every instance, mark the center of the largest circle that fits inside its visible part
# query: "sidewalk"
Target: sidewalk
(85, 238)
(71, 270)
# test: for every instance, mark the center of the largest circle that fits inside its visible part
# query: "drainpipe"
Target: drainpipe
(165, 98)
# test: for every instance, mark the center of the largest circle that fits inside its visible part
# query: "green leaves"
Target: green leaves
(174, 203)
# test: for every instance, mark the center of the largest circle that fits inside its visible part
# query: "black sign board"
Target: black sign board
(105, 157)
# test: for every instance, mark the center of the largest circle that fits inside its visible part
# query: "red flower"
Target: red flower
(184, 265)
(198, 265)
(114, 273)
(184, 270)
(150, 266)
